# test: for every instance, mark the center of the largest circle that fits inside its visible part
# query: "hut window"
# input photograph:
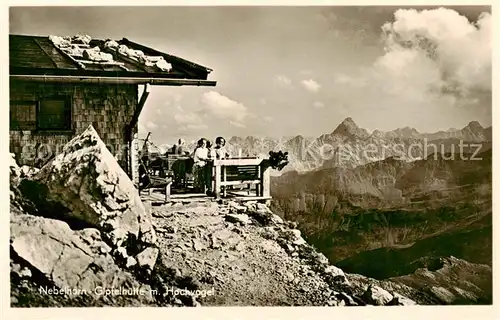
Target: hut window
(23, 115)
(54, 114)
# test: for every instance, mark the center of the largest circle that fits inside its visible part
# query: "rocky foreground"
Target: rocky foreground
(81, 236)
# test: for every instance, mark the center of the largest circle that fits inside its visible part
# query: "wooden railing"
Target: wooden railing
(227, 173)
(241, 171)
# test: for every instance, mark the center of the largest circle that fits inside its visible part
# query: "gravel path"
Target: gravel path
(240, 263)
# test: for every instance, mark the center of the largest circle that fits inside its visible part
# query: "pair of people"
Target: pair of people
(204, 151)
(202, 154)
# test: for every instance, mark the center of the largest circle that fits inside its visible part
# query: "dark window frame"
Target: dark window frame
(13, 123)
(37, 126)
(68, 123)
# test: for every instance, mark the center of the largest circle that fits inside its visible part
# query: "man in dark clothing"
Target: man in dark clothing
(180, 148)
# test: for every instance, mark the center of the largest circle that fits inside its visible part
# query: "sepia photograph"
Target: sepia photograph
(236, 156)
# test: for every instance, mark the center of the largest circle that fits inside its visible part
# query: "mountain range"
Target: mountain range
(350, 146)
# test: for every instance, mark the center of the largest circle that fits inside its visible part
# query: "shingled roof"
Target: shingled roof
(38, 56)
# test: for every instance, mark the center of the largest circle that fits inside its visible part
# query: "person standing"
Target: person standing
(178, 166)
(209, 148)
(145, 153)
(200, 159)
(220, 151)
(179, 148)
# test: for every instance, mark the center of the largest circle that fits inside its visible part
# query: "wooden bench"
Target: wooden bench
(233, 176)
(172, 168)
(229, 173)
(165, 183)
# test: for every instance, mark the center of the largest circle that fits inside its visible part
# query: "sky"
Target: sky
(284, 71)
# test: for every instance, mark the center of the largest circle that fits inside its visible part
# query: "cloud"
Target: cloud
(151, 125)
(187, 118)
(189, 128)
(158, 111)
(344, 79)
(268, 118)
(171, 98)
(200, 126)
(318, 104)
(434, 66)
(283, 80)
(189, 121)
(438, 50)
(223, 108)
(237, 124)
(311, 85)
(175, 97)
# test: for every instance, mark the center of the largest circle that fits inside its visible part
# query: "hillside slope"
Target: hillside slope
(386, 218)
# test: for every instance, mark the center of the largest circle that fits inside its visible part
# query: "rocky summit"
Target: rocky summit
(82, 236)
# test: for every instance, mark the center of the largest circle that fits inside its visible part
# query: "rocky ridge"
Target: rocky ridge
(349, 145)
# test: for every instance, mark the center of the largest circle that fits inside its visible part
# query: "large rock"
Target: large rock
(74, 261)
(334, 275)
(238, 218)
(400, 300)
(15, 171)
(293, 236)
(27, 171)
(377, 296)
(87, 184)
(147, 258)
(236, 208)
(262, 214)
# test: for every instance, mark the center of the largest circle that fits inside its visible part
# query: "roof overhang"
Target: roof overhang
(115, 80)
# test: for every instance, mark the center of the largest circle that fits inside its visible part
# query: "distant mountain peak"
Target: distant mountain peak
(349, 128)
(407, 132)
(474, 125)
(349, 122)
(297, 138)
(407, 128)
